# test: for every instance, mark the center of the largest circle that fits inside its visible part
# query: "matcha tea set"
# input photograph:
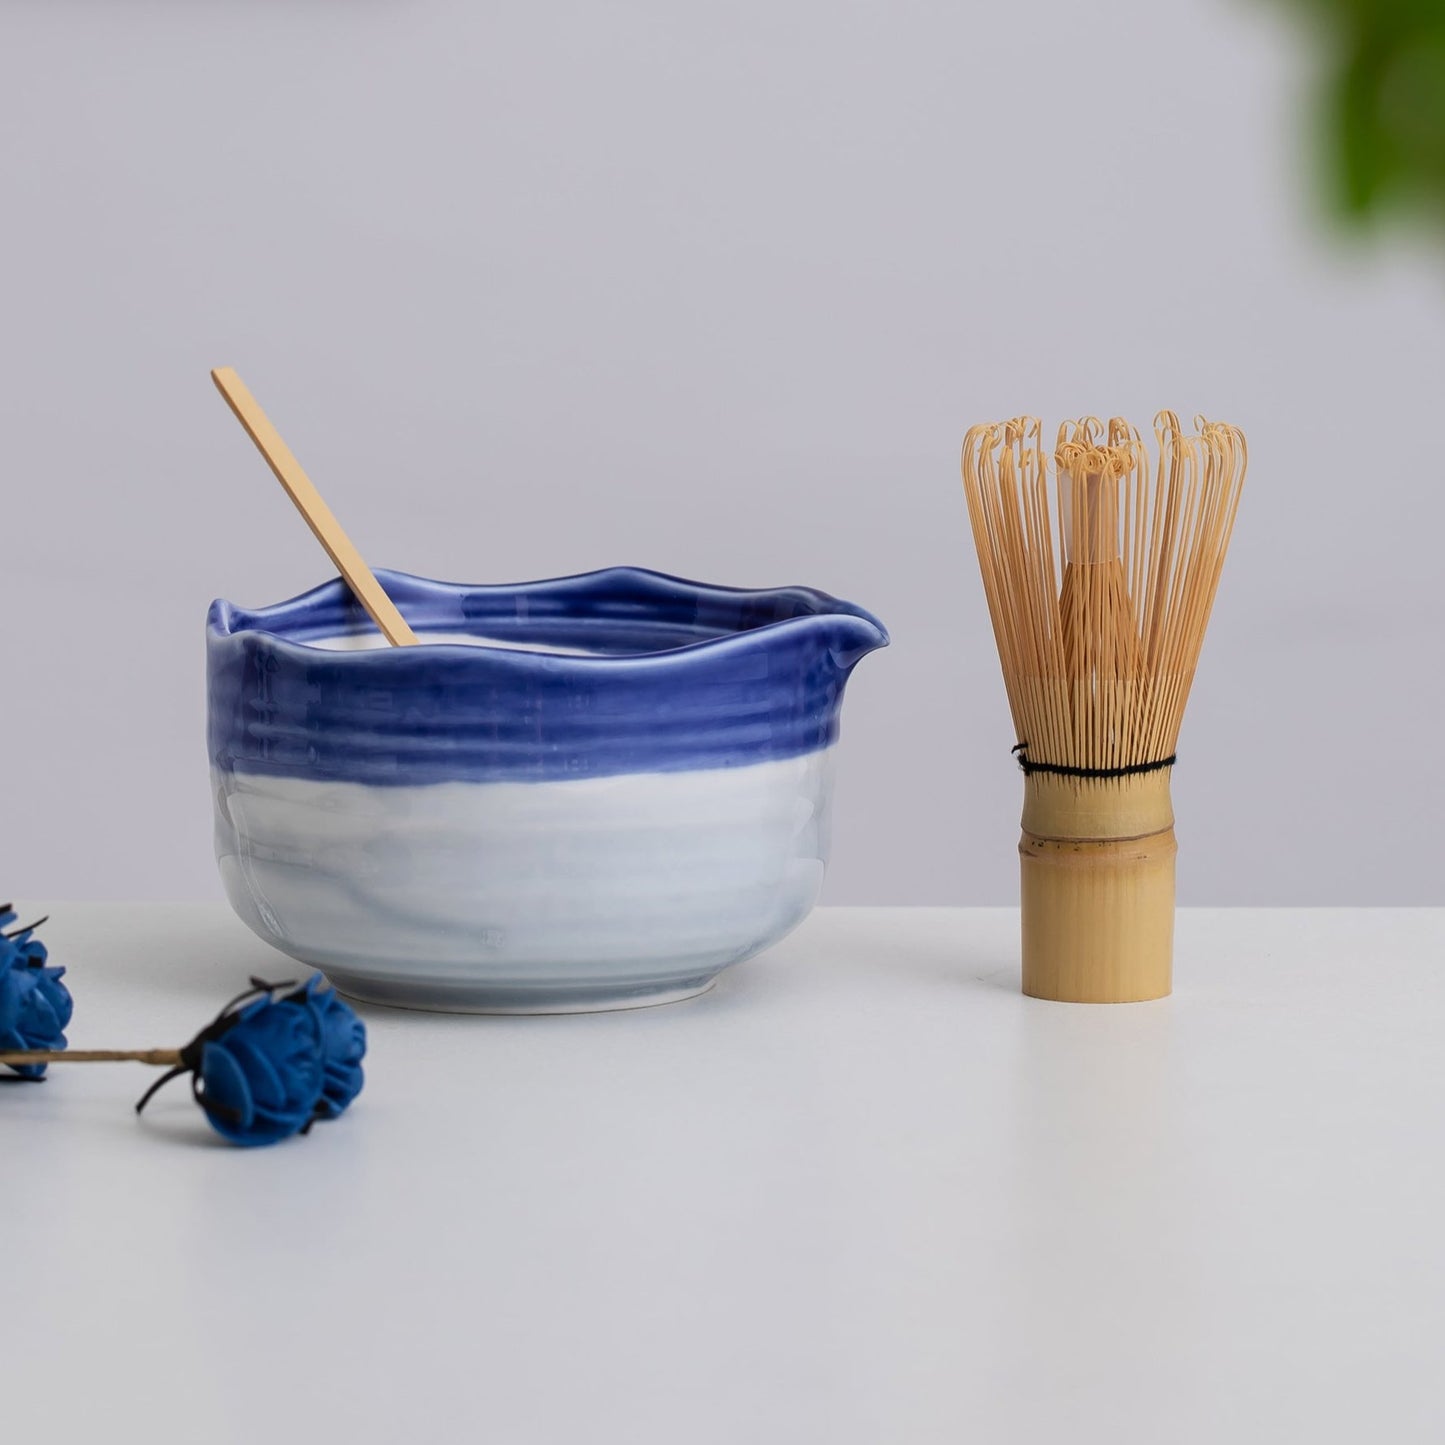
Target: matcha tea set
(599, 791)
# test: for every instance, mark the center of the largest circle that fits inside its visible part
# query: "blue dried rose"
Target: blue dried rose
(269, 1067)
(35, 1006)
(260, 1080)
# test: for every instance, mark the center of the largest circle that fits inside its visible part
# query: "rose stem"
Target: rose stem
(160, 1057)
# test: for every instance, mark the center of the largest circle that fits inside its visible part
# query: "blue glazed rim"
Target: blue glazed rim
(677, 675)
(331, 610)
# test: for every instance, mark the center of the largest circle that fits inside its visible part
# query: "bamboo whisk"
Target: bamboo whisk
(1100, 579)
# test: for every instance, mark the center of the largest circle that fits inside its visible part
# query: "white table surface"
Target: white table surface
(862, 1192)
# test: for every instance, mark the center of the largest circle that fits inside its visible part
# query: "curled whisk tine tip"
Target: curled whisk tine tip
(978, 438)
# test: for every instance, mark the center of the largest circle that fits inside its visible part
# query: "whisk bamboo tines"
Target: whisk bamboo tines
(1100, 577)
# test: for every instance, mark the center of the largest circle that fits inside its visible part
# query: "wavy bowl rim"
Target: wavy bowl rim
(870, 633)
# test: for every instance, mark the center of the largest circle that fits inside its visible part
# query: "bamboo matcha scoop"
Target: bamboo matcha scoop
(319, 517)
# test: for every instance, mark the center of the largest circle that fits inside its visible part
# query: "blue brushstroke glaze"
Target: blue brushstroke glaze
(678, 676)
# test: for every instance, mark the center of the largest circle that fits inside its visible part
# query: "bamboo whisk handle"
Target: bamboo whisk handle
(1097, 874)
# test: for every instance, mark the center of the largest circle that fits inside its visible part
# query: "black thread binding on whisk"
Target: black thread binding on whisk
(1021, 751)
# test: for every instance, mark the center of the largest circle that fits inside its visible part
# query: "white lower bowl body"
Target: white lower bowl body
(508, 897)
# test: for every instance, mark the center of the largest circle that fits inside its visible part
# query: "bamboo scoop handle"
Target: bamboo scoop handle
(319, 517)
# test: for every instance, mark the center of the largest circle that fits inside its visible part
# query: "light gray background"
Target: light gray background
(715, 288)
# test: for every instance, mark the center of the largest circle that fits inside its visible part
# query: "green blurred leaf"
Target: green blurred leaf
(1365, 159)
(1383, 102)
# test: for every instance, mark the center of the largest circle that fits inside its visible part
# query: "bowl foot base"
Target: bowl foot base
(482, 998)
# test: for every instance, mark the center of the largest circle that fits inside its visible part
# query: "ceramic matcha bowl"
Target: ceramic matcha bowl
(585, 793)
